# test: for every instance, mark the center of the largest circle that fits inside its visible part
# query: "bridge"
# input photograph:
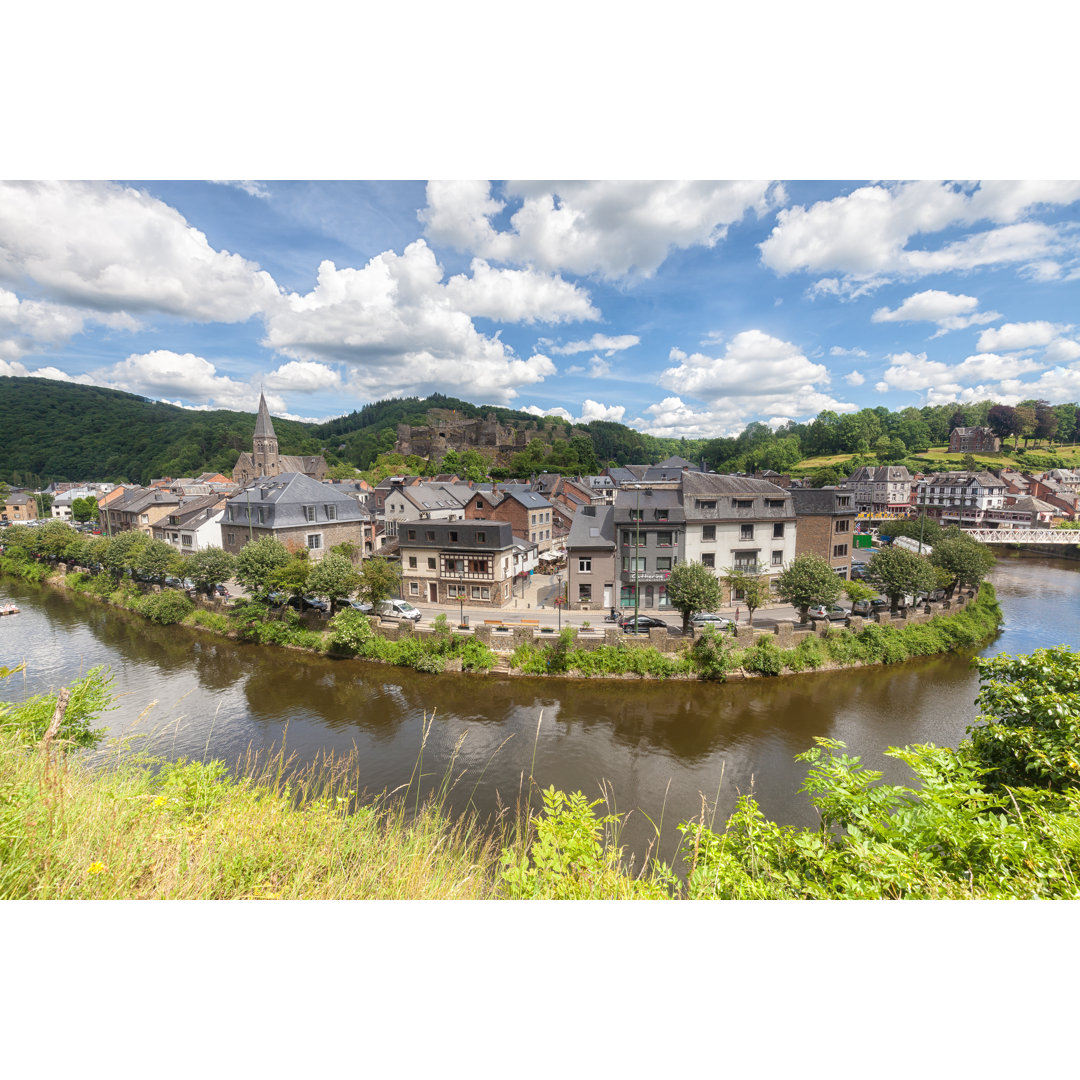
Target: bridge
(1025, 536)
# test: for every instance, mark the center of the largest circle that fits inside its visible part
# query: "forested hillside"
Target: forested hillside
(52, 430)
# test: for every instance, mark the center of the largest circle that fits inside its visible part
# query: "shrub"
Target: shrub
(763, 657)
(350, 631)
(430, 663)
(711, 656)
(167, 607)
(211, 620)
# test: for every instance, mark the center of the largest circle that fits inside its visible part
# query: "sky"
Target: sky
(680, 308)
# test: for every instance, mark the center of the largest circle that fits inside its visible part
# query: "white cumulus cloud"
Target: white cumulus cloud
(867, 235)
(950, 311)
(397, 328)
(114, 248)
(1012, 336)
(855, 378)
(610, 228)
(609, 346)
(527, 296)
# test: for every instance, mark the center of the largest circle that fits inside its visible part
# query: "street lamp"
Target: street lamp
(558, 599)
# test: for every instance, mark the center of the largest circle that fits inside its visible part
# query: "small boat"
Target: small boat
(9, 609)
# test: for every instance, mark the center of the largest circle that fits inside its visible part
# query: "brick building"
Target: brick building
(826, 525)
(973, 440)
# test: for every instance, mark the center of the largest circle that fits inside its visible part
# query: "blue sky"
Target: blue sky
(679, 308)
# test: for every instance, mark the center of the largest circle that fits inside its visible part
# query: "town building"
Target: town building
(738, 523)
(826, 525)
(193, 526)
(530, 515)
(135, 508)
(298, 511)
(649, 532)
(968, 499)
(450, 561)
(19, 506)
(973, 440)
(265, 460)
(883, 490)
(590, 559)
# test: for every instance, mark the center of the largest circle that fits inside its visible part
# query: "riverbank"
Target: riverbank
(570, 653)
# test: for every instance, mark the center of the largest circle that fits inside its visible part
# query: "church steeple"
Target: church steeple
(265, 443)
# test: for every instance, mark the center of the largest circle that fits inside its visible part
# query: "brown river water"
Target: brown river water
(657, 746)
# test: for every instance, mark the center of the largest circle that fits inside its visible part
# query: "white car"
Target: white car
(709, 618)
(399, 609)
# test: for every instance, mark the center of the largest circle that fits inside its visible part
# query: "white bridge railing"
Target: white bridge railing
(1025, 536)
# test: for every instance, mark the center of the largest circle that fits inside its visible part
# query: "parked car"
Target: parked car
(709, 618)
(399, 609)
(315, 603)
(641, 625)
(868, 607)
(832, 612)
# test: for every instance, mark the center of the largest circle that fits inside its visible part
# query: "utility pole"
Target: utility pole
(637, 546)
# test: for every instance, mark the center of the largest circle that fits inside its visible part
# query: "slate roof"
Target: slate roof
(283, 499)
(595, 531)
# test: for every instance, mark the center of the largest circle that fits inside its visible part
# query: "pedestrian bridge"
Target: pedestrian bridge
(1025, 536)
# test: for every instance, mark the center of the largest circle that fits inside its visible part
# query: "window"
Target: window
(429, 534)
(431, 564)
(414, 588)
(454, 591)
(584, 566)
(746, 560)
(709, 560)
(843, 500)
(842, 526)
(746, 532)
(476, 592)
(481, 537)
(663, 562)
(412, 562)
(705, 504)
(775, 504)
(629, 565)
(453, 537)
(628, 539)
(309, 513)
(230, 539)
(186, 538)
(485, 593)
(637, 515)
(743, 504)
(663, 539)
(584, 593)
(412, 534)
(778, 530)
(839, 551)
(778, 558)
(708, 533)
(479, 504)
(331, 512)
(314, 541)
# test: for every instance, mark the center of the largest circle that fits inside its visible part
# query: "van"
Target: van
(398, 609)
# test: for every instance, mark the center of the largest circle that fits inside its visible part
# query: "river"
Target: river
(658, 746)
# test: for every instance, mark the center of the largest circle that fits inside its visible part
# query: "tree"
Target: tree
(379, 580)
(117, 552)
(966, 561)
(292, 577)
(155, 560)
(808, 580)
(1025, 413)
(898, 573)
(84, 509)
(1046, 421)
(334, 577)
(341, 472)
(753, 586)
(44, 504)
(257, 562)
(691, 588)
(1003, 422)
(210, 567)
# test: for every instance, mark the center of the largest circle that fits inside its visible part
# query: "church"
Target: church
(264, 460)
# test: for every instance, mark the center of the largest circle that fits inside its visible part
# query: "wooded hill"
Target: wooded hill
(53, 430)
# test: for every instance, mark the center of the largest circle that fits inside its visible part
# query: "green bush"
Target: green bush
(712, 656)
(211, 620)
(763, 657)
(167, 607)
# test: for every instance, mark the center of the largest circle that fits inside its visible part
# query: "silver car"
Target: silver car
(709, 618)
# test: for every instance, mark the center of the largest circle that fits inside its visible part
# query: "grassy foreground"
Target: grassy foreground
(998, 817)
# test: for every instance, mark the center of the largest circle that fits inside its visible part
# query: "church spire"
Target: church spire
(265, 448)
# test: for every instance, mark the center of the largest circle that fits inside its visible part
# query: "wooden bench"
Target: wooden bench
(493, 622)
(529, 622)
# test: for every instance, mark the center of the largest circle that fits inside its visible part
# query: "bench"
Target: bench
(529, 622)
(493, 622)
